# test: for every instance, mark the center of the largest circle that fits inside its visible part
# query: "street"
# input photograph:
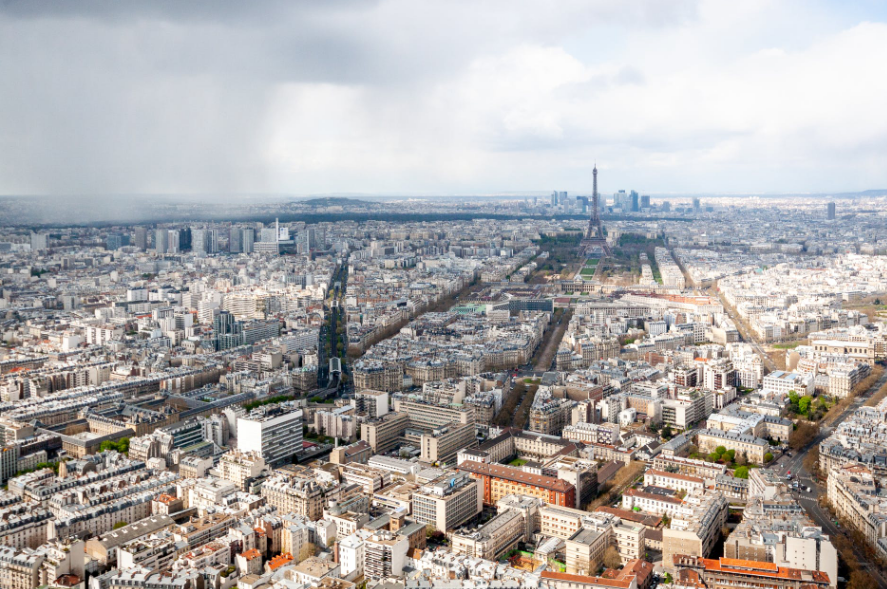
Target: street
(810, 501)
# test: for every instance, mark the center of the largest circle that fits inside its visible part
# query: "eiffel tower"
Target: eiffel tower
(594, 244)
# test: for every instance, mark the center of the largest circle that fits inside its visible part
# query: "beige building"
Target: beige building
(585, 551)
(673, 481)
(443, 443)
(448, 502)
(19, 569)
(301, 496)
(854, 495)
(695, 531)
(752, 446)
(240, 467)
(383, 434)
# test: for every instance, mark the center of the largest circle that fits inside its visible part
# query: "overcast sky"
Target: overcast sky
(421, 97)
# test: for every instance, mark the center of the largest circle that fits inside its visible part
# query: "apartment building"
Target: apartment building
(696, 529)
(689, 408)
(855, 495)
(241, 468)
(302, 496)
(385, 555)
(777, 529)
(377, 376)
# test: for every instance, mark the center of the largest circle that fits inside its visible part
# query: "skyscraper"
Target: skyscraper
(249, 239)
(635, 203)
(141, 238)
(38, 241)
(697, 205)
(161, 241)
(174, 241)
(235, 240)
(831, 211)
(645, 202)
(115, 241)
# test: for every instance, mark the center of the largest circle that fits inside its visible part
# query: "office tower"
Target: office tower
(249, 239)
(268, 235)
(174, 242)
(161, 241)
(115, 241)
(831, 210)
(697, 205)
(562, 197)
(635, 204)
(185, 239)
(274, 432)
(224, 323)
(141, 238)
(38, 241)
(235, 240)
(666, 205)
(204, 241)
(645, 202)
(554, 198)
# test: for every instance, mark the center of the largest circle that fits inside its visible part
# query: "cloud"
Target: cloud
(396, 96)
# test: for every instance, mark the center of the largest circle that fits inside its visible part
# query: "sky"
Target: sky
(401, 97)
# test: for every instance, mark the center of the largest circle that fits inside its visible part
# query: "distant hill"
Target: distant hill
(335, 201)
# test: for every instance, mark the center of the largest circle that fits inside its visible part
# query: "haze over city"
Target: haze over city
(395, 97)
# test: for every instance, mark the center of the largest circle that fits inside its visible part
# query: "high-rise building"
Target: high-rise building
(554, 198)
(273, 431)
(38, 242)
(185, 239)
(141, 238)
(448, 502)
(645, 202)
(224, 323)
(161, 241)
(248, 240)
(174, 242)
(235, 240)
(635, 202)
(697, 205)
(831, 211)
(204, 241)
(115, 241)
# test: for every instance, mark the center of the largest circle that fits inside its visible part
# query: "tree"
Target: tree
(793, 399)
(666, 432)
(860, 579)
(713, 457)
(612, 560)
(720, 450)
(307, 550)
(804, 404)
(804, 435)
(730, 455)
(741, 472)
(741, 459)
(768, 457)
